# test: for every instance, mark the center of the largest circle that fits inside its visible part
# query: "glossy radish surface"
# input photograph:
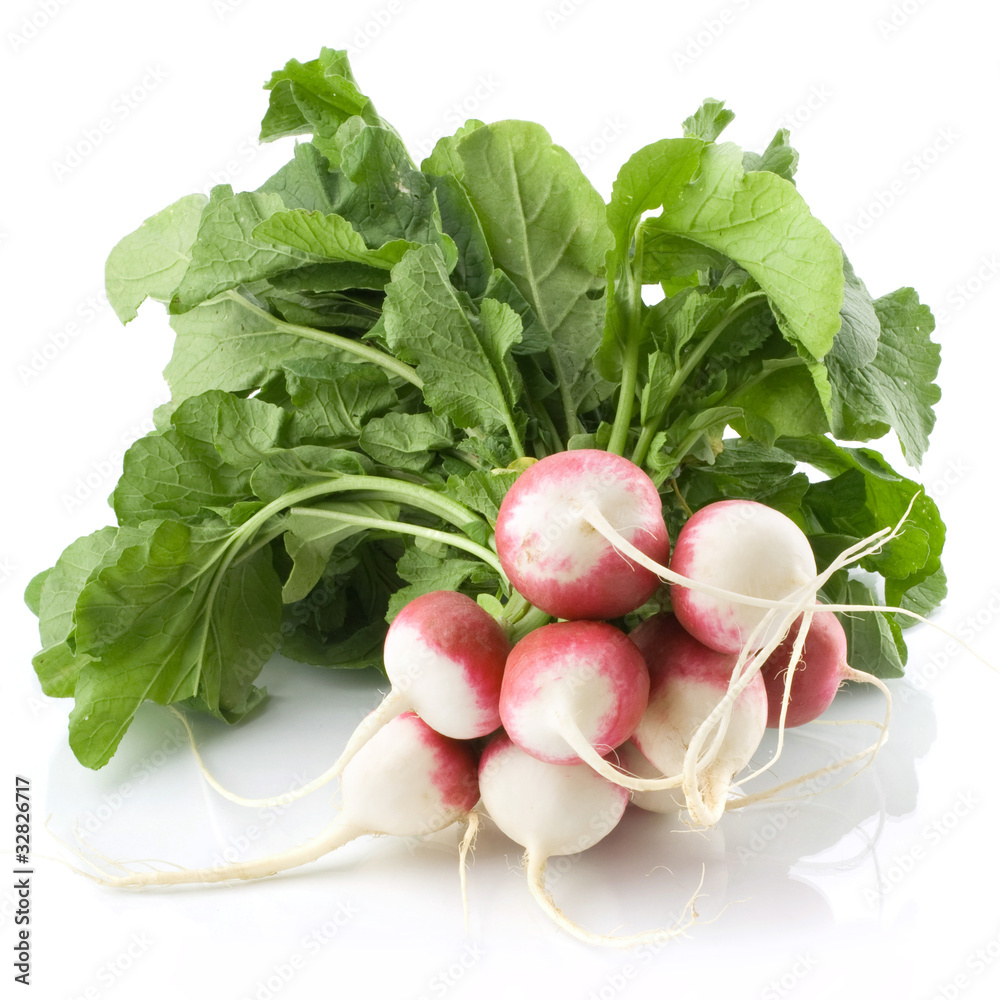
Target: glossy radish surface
(744, 547)
(687, 681)
(556, 559)
(817, 676)
(573, 681)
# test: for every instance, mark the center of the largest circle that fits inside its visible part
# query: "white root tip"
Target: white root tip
(659, 936)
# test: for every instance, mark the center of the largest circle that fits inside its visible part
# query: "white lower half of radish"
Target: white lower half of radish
(435, 687)
(445, 655)
(406, 781)
(547, 808)
(668, 801)
(744, 547)
(676, 710)
(580, 681)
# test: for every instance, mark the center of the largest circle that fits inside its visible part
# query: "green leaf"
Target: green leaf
(180, 472)
(863, 495)
(474, 266)
(406, 440)
(233, 344)
(708, 121)
(158, 621)
(546, 229)
(151, 261)
(311, 537)
(333, 402)
(779, 157)
(426, 571)
(316, 237)
(226, 253)
(383, 194)
(305, 182)
(482, 491)
(892, 383)
(759, 220)
(293, 468)
(57, 663)
(315, 97)
(465, 368)
(872, 644)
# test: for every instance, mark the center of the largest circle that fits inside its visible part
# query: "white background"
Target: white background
(885, 888)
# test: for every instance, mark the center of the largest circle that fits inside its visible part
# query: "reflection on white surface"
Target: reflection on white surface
(796, 866)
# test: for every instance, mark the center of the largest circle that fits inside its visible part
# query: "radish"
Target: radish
(552, 554)
(816, 676)
(667, 801)
(569, 687)
(552, 809)
(407, 781)
(741, 546)
(688, 681)
(444, 656)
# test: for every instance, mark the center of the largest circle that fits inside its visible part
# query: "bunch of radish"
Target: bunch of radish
(554, 734)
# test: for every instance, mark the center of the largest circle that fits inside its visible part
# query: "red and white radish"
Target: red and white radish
(571, 687)
(553, 809)
(741, 546)
(815, 676)
(667, 801)
(552, 554)
(408, 781)
(688, 683)
(444, 656)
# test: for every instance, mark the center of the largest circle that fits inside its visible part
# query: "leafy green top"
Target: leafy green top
(367, 349)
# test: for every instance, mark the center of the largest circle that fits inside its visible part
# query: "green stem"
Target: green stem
(630, 360)
(405, 528)
(691, 362)
(367, 353)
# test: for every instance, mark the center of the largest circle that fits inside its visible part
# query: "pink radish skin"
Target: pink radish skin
(446, 654)
(407, 781)
(817, 676)
(743, 547)
(573, 681)
(687, 682)
(555, 559)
